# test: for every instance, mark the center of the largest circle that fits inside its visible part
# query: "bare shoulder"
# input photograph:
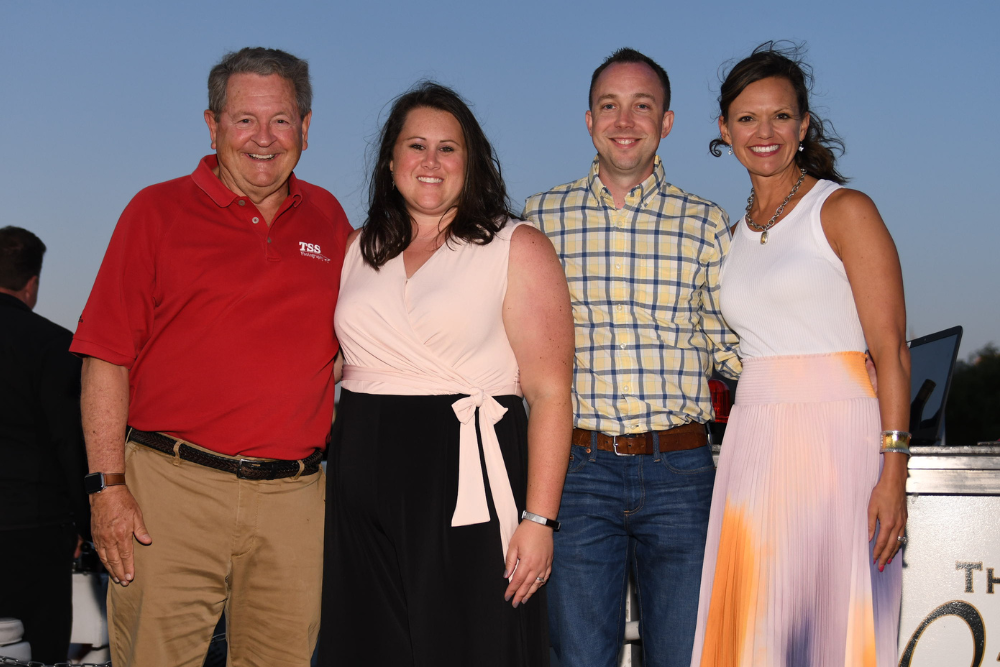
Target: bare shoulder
(850, 217)
(351, 237)
(533, 266)
(527, 233)
(846, 207)
(527, 244)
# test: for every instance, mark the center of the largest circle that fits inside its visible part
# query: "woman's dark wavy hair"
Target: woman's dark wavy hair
(819, 148)
(483, 205)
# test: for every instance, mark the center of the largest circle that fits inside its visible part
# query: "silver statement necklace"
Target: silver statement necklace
(770, 223)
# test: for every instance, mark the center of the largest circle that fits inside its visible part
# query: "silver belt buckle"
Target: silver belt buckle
(614, 445)
(239, 467)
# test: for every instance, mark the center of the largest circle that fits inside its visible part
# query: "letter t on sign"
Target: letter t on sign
(968, 567)
(989, 585)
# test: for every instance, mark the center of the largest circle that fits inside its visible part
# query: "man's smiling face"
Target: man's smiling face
(627, 120)
(259, 135)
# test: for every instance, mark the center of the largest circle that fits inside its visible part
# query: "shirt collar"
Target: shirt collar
(205, 178)
(639, 193)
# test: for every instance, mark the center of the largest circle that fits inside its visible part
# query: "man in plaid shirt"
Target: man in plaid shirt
(642, 259)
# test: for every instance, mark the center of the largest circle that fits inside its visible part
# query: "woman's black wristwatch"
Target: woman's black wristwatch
(538, 518)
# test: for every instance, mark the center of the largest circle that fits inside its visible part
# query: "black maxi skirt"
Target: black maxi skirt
(401, 586)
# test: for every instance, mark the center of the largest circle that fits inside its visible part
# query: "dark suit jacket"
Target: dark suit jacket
(42, 455)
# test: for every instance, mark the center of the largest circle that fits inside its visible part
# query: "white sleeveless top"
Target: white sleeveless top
(791, 295)
(439, 332)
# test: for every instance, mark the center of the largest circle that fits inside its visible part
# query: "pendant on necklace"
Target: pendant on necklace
(763, 238)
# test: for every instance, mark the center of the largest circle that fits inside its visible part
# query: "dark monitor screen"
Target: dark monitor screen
(932, 361)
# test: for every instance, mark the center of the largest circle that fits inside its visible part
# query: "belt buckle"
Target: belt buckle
(614, 446)
(239, 468)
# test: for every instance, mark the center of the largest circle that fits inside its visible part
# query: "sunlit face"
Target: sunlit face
(627, 120)
(259, 136)
(764, 126)
(428, 164)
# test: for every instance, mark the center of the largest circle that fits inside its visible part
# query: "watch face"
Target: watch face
(93, 482)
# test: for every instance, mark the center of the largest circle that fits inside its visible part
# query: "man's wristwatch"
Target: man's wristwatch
(96, 482)
(538, 518)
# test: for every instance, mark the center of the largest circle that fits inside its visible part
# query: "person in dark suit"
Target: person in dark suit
(43, 507)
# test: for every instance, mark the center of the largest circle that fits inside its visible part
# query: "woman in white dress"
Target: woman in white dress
(809, 507)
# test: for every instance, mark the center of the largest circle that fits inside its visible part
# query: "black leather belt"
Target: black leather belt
(242, 468)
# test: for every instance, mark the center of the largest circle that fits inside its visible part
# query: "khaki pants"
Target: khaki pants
(251, 548)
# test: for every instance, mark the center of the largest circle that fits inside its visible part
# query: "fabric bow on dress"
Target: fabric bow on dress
(471, 506)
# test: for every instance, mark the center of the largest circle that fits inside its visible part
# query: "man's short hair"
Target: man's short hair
(258, 60)
(20, 257)
(627, 55)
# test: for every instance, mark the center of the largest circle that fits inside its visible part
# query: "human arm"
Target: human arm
(724, 342)
(115, 515)
(539, 323)
(859, 237)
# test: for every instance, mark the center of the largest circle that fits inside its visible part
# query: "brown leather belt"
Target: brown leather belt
(687, 436)
(242, 468)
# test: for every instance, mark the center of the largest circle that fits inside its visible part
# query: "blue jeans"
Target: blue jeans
(646, 512)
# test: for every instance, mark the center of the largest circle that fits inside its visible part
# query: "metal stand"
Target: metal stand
(631, 653)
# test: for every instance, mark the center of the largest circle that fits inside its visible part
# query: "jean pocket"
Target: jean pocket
(689, 461)
(577, 459)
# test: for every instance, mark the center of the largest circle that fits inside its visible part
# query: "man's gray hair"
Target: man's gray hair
(258, 60)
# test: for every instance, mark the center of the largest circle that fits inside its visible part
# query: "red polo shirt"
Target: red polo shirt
(225, 325)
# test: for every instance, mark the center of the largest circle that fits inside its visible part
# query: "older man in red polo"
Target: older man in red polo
(208, 386)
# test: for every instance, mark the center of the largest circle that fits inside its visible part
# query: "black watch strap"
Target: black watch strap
(538, 518)
(96, 482)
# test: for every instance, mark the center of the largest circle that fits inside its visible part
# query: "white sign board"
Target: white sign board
(951, 582)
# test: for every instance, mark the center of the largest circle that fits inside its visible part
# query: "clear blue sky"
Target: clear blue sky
(99, 99)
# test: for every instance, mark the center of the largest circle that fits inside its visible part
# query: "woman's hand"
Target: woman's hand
(529, 558)
(887, 506)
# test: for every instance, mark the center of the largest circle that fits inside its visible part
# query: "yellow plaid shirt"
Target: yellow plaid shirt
(644, 282)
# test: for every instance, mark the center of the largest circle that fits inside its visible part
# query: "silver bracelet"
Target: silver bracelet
(538, 518)
(895, 442)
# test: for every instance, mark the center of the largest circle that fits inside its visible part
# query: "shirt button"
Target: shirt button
(618, 266)
(625, 388)
(242, 203)
(620, 307)
(255, 220)
(268, 239)
(622, 346)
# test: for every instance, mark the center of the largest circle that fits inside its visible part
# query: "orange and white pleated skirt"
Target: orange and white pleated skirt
(788, 579)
